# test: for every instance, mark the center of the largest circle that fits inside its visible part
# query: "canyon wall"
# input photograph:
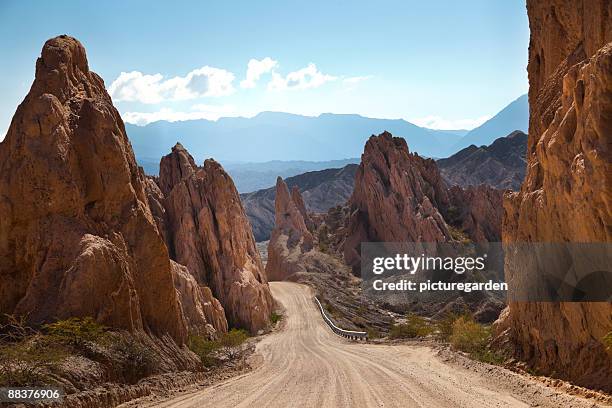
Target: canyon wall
(77, 236)
(566, 195)
(207, 231)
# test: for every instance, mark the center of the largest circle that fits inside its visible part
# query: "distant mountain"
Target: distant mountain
(273, 135)
(501, 165)
(513, 117)
(321, 190)
(249, 177)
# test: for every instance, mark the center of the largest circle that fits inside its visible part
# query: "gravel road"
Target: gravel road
(306, 365)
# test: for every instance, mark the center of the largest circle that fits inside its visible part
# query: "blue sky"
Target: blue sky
(444, 64)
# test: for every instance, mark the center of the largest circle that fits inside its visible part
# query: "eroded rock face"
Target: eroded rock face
(290, 237)
(77, 237)
(477, 211)
(396, 198)
(566, 194)
(208, 232)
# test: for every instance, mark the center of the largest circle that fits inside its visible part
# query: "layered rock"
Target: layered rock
(290, 237)
(77, 237)
(501, 165)
(566, 195)
(397, 198)
(208, 232)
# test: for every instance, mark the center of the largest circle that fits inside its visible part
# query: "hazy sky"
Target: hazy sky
(443, 64)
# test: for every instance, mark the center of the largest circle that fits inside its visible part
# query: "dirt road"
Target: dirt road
(306, 365)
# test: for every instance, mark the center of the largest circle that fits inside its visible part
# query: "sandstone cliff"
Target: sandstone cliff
(290, 238)
(77, 237)
(566, 194)
(208, 232)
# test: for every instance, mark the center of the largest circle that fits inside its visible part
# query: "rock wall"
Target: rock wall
(208, 232)
(77, 236)
(290, 237)
(566, 195)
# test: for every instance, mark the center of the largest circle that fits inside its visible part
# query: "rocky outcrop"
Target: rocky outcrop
(477, 211)
(500, 165)
(566, 194)
(208, 232)
(320, 190)
(290, 237)
(77, 236)
(397, 198)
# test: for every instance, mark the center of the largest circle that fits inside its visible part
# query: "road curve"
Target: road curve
(306, 365)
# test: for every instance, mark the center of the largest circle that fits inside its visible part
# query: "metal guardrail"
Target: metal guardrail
(349, 334)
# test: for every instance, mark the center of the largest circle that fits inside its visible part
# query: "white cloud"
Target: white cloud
(437, 122)
(199, 111)
(151, 89)
(356, 79)
(255, 69)
(305, 78)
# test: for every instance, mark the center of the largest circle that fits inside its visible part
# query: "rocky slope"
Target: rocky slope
(501, 165)
(208, 232)
(77, 236)
(320, 190)
(566, 194)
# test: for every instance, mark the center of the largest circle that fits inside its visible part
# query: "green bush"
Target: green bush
(444, 326)
(415, 326)
(204, 349)
(275, 317)
(232, 343)
(373, 333)
(469, 336)
(75, 331)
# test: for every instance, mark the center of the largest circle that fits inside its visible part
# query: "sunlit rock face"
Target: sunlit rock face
(77, 237)
(566, 195)
(208, 232)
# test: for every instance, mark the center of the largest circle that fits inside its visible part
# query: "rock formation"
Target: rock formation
(290, 237)
(566, 194)
(320, 190)
(77, 237)
(501, 165)
(397, 198)
(208, 232)
(477, 211)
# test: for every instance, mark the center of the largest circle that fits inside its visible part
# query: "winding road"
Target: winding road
(306, 365)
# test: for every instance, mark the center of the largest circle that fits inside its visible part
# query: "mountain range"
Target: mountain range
(274, 135)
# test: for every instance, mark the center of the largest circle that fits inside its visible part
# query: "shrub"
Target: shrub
(444, 326)
(469, 336)
(14, 329)
(275, 317)
(415, 326)
(204, 349)
(373, 333)
(232, 343)
(136, 359)
(28, 363)
(75, 331)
